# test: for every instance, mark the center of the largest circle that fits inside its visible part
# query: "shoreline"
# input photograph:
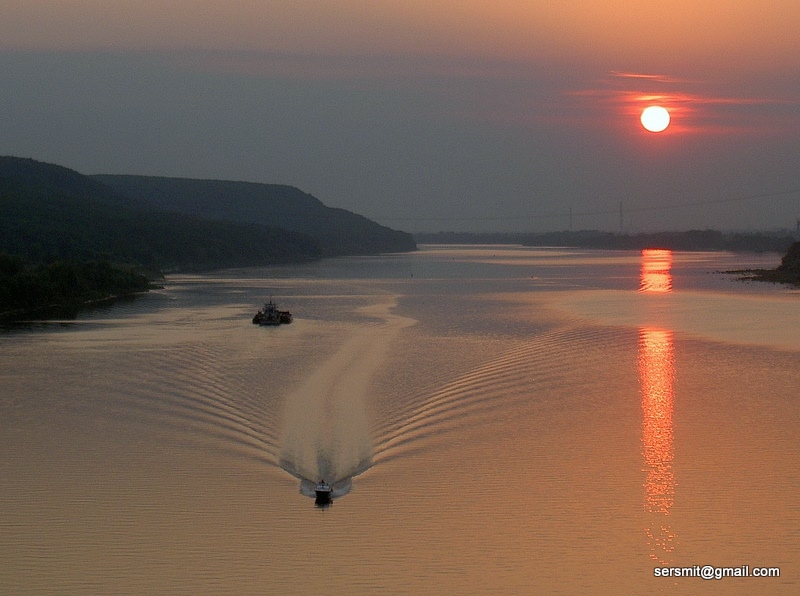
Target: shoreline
(774, 276)
(59, 312)
(788, 272)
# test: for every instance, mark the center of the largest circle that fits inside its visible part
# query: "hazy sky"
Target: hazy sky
(426, 114)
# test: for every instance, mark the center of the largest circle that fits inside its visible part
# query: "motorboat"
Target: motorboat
(323, 492)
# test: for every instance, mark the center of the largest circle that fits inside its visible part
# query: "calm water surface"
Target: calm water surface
(496, 420)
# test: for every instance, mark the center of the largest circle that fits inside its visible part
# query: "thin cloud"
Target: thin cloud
(657, 78)
(622, 94)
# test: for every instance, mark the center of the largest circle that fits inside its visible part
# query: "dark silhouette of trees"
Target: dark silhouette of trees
(61, 286)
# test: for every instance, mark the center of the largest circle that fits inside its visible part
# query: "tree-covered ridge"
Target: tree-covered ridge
(48, 212)
(65, 235)
(339, 232)
(26, 175)
(53, 212)
(43, 227)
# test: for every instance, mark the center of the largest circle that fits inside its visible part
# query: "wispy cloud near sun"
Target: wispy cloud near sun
(694, 105)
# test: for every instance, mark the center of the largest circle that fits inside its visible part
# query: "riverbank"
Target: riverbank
(62, 289)
(788, 272)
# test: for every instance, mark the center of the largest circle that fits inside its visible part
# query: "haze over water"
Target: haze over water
(501, 420)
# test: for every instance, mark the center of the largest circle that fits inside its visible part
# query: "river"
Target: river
(495, 420)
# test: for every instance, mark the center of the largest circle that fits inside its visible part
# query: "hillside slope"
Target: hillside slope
(50, 213)
(338, 231)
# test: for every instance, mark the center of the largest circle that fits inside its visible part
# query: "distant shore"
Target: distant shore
(689, 240)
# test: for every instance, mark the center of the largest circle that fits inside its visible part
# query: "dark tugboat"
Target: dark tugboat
(270, 315)
(323, 492)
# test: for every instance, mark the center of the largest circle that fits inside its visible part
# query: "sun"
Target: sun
(655, 118)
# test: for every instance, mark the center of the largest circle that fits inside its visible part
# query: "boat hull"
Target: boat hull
(323, 494)
(271, 316)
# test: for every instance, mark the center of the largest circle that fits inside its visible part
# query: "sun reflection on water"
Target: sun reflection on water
(657, 375)
(656, 277)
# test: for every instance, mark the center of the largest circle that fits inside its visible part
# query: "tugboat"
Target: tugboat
(270, 315)
(323, 491)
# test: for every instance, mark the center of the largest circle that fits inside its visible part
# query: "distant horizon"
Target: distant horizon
(769, 232)
(560, 216)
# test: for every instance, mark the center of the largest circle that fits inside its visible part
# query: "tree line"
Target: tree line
(61, 288)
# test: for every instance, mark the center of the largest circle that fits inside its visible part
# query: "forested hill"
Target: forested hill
(36, 178)
(339, 232)
(50, 213)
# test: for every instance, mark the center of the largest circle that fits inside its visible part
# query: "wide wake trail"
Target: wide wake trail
(326, 427)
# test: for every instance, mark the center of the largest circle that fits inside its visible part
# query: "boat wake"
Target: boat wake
(531, 374)
(327, 432)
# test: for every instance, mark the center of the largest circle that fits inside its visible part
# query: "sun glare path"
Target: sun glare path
(657, 374)
(655, 275)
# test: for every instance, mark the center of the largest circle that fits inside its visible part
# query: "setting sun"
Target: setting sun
(655, 118)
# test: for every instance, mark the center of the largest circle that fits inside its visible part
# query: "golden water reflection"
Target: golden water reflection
(657, 374)
(656, 277)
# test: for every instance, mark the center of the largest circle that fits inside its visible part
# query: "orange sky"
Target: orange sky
(535, 99)
(723, 33)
